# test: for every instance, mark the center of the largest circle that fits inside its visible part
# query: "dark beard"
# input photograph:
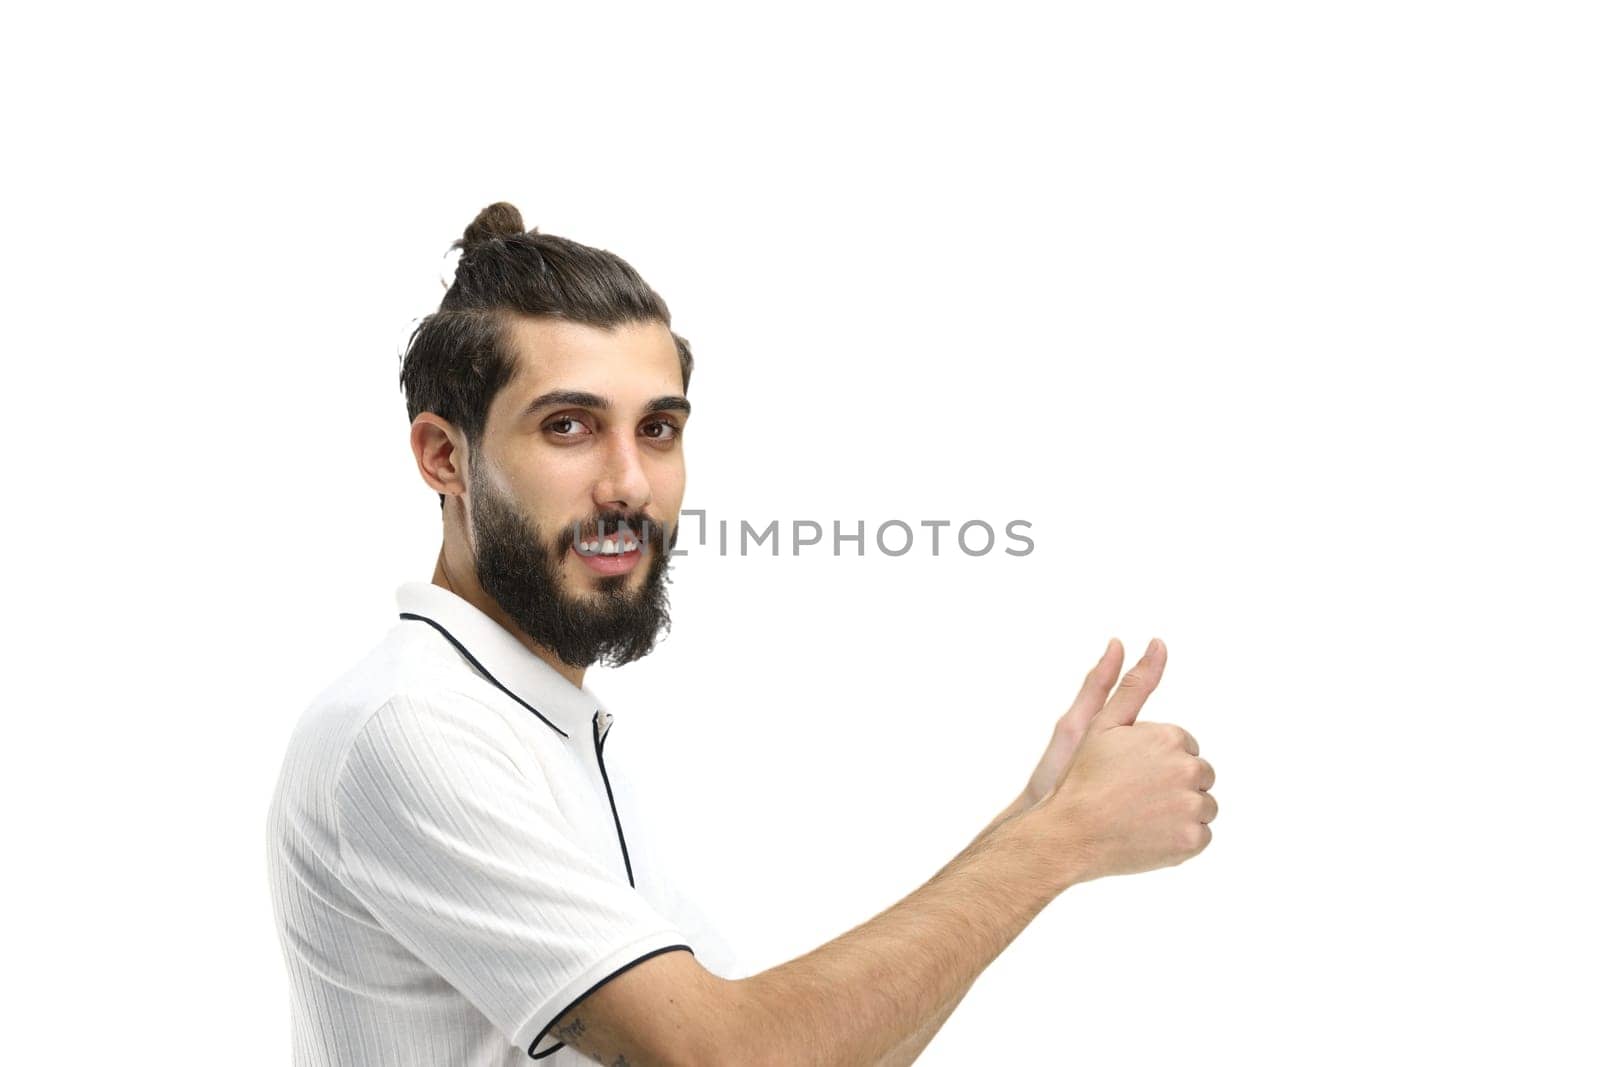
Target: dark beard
(520, 569)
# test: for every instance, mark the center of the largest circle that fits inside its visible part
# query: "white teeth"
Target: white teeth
(611, 546)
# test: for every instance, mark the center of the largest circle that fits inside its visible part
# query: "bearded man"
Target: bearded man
(450, 874)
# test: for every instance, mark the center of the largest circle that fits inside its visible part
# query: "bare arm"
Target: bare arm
(853, 1001)
(1069, 729)
(907, 1051)
(864, 995)
(1135, 799)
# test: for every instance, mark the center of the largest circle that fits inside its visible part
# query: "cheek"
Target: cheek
(667, 488)
(553, 498)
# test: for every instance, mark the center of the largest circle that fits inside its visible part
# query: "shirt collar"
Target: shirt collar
(565, 707)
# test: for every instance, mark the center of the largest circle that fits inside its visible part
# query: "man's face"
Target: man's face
(558, 471)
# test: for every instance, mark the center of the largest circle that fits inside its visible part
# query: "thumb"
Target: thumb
(1136, 686)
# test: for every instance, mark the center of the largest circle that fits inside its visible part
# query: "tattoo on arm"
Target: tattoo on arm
(574, 1028)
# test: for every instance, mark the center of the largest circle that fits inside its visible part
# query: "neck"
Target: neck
(465, 586)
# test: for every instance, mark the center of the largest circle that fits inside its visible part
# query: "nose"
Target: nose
(623, 484)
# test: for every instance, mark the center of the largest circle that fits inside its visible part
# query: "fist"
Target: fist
(1135, 794)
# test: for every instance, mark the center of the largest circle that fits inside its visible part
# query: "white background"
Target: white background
(1276, 321)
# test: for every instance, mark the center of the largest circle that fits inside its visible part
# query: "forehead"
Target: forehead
(628, 364)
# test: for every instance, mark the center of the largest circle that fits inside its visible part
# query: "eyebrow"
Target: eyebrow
(578, 398)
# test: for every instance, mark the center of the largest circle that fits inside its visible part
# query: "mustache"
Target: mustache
(651, 533)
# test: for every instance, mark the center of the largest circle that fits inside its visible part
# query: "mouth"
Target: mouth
(609, 555)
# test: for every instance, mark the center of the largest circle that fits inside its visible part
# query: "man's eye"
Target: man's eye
(565, 426)
(668, 430)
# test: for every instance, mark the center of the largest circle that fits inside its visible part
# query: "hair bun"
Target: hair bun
(495, 221)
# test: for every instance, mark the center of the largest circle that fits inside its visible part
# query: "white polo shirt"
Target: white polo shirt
(447, 855)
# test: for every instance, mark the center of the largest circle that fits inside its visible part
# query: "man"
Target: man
(451, 875)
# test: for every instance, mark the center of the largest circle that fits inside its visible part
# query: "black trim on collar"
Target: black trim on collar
(557, 1016)
(482, 669)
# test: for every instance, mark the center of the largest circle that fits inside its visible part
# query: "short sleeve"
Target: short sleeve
(465, 859)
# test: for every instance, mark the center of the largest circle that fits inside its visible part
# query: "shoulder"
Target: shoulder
(409, 685)
(448, 737)
(389, 721)
(432, 763)
(404, 736)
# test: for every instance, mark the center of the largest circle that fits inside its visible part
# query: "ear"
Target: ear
(441, 454)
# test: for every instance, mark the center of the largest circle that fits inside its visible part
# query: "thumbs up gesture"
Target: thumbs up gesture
(1070, 727)
(1129, 796)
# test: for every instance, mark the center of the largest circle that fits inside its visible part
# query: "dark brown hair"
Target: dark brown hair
(459, 357)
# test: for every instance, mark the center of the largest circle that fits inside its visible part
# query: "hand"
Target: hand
(1134, 796)
(1070, 727)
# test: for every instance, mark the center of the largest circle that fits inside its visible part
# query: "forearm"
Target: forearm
(907, 1051)
(858, 998)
